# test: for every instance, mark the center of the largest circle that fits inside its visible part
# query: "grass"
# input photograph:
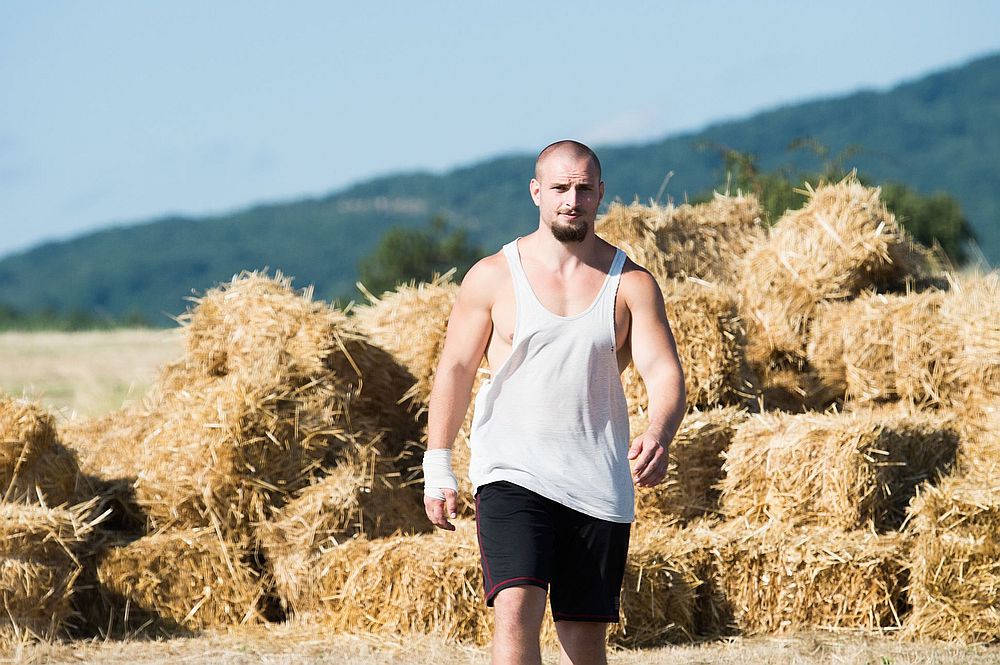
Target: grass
(83, 374)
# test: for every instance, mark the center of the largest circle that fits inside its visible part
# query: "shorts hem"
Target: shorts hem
(600, 618)
(514, 581)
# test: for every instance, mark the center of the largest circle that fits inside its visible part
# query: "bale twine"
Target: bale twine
(842, 241)
(710, 344)
(184, 579)
(34, 466)
(352, 501)
(954, 564)
(40, 550)
(780, 579)
(849, 470)
(689, 490)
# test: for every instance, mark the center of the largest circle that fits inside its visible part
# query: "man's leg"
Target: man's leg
(581, 642)
(518, 612)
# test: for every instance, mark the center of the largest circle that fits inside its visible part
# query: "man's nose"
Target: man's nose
(570, 196)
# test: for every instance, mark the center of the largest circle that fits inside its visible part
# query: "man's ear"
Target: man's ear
(600, 191)
(535, 188)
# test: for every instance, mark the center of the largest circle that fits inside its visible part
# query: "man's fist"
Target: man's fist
(649, 461)
(435, 509)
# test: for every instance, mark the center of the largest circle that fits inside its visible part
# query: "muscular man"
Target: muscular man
(559, 314)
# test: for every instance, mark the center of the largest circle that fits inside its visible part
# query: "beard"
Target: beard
(570, 232)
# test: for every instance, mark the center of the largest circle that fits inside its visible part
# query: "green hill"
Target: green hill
(938, 133)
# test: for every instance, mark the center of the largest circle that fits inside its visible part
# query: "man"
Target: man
(559, 314)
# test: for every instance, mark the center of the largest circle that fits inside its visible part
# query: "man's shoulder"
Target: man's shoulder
(637, 282)
(484, 277)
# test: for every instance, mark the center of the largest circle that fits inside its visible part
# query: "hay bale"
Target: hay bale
(109, 452)
(702, 241)
(849, 470)
(34, 466)
(633, 229)
(185, 579)
(410, 323)
(710, 344)
(693, 551)
(403, 584)
(884, 347)
(707, 240)
(970, 315)
(689, 489)
(954, 564)
(842, 241)
(352, 501)
(781, 579)
(40, 550)
(257, 325)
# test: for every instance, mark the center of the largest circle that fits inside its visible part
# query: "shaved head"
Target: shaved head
(574, 148)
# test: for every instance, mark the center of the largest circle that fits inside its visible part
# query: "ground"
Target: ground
(312, 644)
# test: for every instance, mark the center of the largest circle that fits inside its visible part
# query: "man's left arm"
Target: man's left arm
(654, 353)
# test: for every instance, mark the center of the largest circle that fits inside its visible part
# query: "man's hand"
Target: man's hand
(649, 461)
(435, 509)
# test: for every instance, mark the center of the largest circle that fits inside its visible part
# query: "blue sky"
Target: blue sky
(114, 112)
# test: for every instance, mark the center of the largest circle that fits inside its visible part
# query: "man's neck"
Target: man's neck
(560, 256)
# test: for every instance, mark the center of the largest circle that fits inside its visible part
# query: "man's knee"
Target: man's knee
(519, 607)
(581, 634)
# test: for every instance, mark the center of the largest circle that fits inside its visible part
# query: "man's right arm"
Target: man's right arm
(469, 329)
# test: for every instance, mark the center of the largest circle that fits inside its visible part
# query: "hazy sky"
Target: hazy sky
(114, 112)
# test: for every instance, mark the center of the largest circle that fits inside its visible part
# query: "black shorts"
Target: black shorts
(525, 538)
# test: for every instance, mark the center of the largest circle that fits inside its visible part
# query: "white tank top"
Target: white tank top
(553, 418)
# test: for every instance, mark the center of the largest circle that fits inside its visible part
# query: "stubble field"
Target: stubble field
(87, 374)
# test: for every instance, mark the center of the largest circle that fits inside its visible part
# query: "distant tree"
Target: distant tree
(404, 254)
(935, 218)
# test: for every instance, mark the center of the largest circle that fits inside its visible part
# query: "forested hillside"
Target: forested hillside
(938, 133)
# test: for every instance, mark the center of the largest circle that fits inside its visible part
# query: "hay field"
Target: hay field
(89, 373)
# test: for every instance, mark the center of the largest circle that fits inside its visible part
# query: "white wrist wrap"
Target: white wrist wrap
(437, 473)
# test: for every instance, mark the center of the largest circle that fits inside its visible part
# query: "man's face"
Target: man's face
(567, 192)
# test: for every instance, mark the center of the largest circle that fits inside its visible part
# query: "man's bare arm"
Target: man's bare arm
(469, 327)
(654, 353)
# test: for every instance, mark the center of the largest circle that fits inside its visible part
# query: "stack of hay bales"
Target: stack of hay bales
(840, 243)
(274, 391)
(819, 499)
